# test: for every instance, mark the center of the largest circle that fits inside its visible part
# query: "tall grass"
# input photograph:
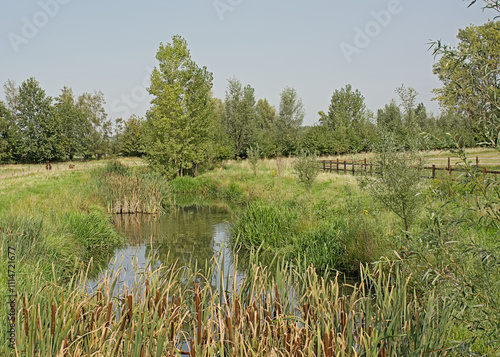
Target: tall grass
(125, 190)
(173, 310)
(327, 238)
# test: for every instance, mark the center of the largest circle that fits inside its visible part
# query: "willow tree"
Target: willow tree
(178, 123)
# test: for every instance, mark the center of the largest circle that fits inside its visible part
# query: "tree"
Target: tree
(240, 115)
(179, 122)
(6, 134)
(306, 168)
(488, 4)
(347, 118)
(131, 139)
(75, 125)
(98, 138)
(266, 132)
(469, 73)
(290, 117)
(399, 186)
(40, 130)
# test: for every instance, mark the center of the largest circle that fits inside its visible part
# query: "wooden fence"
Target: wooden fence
(365, 167)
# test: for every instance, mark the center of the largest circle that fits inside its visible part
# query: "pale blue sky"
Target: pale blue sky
(110, 45)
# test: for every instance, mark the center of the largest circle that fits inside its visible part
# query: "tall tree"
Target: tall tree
(131, 138)
(469, 73)
(240, 115)
(179, 121)
(266, 132)
(40, 130)
(75, 125)
(98, 137)
(347, 119)
(6, 134)
(290, 118)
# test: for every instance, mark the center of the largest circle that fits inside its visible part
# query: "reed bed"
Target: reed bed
(181, 311)
(127, 192)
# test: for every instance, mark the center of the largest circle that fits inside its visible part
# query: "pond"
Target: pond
(185, 234)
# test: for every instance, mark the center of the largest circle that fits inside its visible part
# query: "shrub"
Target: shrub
(306, 168)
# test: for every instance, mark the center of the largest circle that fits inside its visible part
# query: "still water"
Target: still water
(185, 234)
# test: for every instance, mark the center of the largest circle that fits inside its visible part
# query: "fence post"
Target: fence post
(337, 165)
(324, 165)
(451, 172)
(485, 171)
(477, 162)
(345, 167)
(365, 165)
(371, 168)
(353, 167)
(449, 163)
(331, 167)
(433, 171)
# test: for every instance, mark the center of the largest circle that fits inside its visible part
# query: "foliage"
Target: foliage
(39, 127)
(399, 186)
(179, 122)
(131, 137)
(347, 121)
(290, 117)
(75, 124)
(469, 74)
(240, 115)
(306, 168)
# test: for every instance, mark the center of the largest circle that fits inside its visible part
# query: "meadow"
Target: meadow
(431, 290)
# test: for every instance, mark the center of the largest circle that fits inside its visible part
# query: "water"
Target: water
(185, 234)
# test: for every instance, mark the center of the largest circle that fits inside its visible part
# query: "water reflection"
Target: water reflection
(185, 234)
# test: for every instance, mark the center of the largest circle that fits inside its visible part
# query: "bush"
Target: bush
(306, 168)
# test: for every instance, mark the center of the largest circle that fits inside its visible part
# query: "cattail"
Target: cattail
(53, 320)
(230, 328)
(25, 313)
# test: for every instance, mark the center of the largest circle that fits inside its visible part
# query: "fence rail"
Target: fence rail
(365, 167)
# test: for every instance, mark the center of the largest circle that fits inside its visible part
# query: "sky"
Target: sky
(314, 46)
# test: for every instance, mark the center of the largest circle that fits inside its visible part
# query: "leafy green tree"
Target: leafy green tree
(347, 118)
(390, 120)
(98, 138)
(131, 137)
(319, 139)
(39, 127)
(290, 117)
(240, 115)
(75, 126)
(399, 186)
(469, 73)
(6, 134)
(178, 124)
(266, 132)
(220, 146)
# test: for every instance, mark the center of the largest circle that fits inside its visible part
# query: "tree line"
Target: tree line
(187, 128)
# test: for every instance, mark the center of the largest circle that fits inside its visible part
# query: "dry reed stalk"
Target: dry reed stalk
(53, 319)
(25, 314)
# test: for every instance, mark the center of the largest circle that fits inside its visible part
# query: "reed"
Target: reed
(127, 191)
(173, 311)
